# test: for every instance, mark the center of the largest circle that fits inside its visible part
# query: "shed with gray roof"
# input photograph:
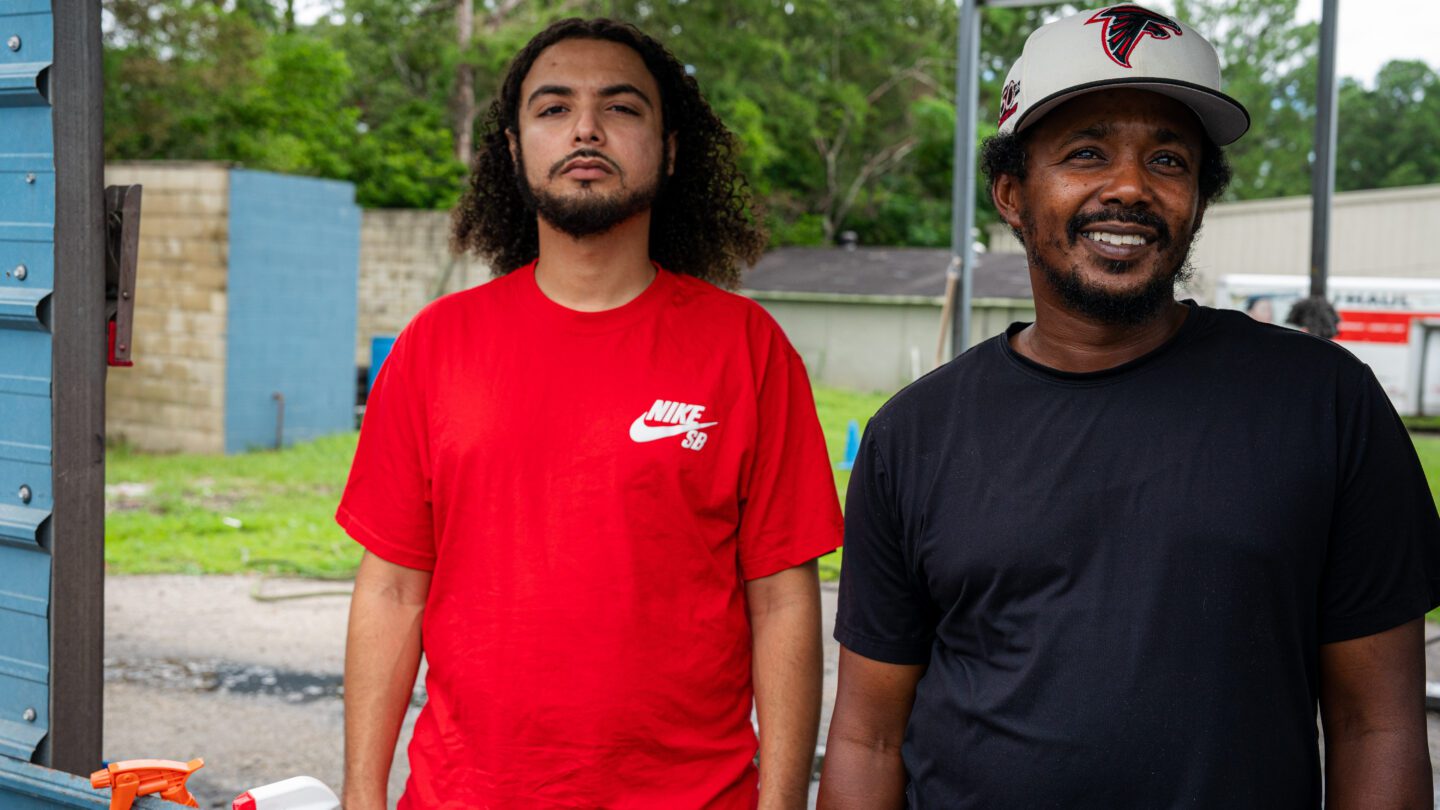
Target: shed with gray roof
(868, 318)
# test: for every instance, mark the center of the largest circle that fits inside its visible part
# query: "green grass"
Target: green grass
(1426, 423)
(836, 408)
(1428, 448)
(231, 514)
(227, 514)
(273, 511)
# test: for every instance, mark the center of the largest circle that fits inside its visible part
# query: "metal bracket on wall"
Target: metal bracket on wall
(122, 249)
(25, 84)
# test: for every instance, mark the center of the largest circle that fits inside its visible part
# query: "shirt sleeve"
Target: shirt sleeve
(1382, 565)
(790, 513)
(884, 612)
(386, 506)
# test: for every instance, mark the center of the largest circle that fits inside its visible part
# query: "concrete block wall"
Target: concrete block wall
(173, 399)
(405, 263)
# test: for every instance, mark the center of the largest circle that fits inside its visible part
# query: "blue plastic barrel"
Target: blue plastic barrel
(379, 350)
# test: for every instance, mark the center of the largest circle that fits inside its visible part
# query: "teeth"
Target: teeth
(1116, 238)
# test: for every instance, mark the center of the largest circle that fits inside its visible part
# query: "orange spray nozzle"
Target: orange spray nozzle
(142, 777)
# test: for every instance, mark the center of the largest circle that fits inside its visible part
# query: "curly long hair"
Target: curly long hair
(702, 223)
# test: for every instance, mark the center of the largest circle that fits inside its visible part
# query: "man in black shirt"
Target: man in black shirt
(1117, 557)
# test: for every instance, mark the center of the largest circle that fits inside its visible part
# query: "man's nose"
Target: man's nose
(1127, 183)
(588, 129)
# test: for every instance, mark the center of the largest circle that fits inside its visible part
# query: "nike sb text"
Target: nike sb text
(674, 413)
(674, 419)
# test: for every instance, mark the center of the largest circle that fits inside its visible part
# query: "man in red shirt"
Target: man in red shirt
(595, 486)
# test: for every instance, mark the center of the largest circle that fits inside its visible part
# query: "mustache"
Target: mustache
(1127, 216)
(578, 154)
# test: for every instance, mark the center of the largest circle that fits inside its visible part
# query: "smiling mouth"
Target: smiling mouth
(1120, 230)
(1118, 239)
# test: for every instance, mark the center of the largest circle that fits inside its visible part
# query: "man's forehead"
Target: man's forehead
(589, 63)
(1108, 112)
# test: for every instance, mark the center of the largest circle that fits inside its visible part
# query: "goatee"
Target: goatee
(588, 213)
(1117, 307)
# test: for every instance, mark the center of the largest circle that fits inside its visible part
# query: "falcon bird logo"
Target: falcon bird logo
(1122, 28)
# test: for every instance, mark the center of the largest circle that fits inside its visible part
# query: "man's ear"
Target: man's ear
(514, 138)
(1008, 197)
(672, 143)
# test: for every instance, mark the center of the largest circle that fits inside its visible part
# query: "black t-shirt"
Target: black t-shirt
(1120, 580)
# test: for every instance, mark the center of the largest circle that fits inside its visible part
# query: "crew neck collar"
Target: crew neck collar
(628, 313)
(1194, 321)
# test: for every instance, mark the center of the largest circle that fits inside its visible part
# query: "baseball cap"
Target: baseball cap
(1119, 46)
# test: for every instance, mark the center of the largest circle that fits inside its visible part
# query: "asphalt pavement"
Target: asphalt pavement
(198, 667)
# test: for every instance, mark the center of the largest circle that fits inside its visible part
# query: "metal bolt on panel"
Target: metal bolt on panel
(25, 493)
(14, 43)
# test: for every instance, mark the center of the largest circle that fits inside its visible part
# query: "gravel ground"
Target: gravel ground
(195, 666)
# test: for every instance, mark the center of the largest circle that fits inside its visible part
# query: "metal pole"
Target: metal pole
(1322, 175)
(962, 215)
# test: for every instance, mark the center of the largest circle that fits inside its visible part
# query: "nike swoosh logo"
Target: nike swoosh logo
(641, 432)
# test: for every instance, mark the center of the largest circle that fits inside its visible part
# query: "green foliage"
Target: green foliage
(190, 80)
(293, 118)
(406, 161)
(844, 108)
(1268, 63)
(1390, 135)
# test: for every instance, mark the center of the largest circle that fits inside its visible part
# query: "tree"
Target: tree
(844, 109)
(1390, 136)
(1268, 63)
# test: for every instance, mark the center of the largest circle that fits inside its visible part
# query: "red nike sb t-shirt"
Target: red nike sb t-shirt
(591, 491)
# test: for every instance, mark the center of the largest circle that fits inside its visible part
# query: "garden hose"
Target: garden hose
(292, 569)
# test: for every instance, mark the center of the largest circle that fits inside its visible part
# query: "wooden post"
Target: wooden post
(77, 536)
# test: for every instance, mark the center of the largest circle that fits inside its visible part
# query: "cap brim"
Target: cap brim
(1223, 118)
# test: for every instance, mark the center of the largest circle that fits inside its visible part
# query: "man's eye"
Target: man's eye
(554, 109)
(621, 108)
(1171, 160)
(1085, 154)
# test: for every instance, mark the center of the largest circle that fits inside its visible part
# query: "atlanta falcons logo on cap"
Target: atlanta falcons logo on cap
(1122, 28)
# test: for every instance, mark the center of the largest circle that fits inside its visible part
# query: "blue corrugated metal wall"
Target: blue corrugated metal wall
(27, 239)
(294, 268)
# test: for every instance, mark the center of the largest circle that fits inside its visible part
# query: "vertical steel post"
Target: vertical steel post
(77, 577)
(962, 214)
(1322, 174)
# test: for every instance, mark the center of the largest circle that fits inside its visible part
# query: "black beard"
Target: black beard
(587, 214)
(1130, 308)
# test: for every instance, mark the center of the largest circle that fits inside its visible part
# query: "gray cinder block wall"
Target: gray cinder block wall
(246, 287)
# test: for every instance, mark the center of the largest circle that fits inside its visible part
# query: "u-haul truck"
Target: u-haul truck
(1386, 322)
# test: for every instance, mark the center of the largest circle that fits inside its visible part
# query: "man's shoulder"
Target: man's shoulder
(1237, 336)
(699, 292)
(933, 394)
(698, 298)
(461, 308)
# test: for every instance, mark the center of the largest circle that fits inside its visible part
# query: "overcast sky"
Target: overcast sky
(1372, 32)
